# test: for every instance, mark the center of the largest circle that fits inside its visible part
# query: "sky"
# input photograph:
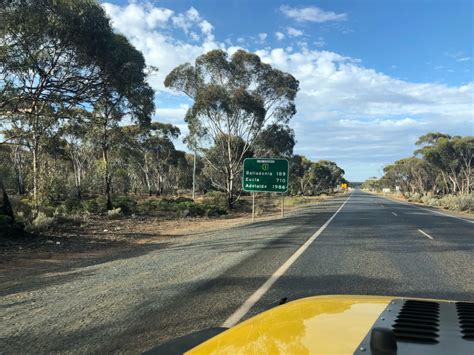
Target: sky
(374, 75)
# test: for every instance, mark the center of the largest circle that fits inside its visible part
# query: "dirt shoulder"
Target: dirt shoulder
(102, 239)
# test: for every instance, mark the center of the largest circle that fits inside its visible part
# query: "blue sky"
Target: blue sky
(374, 75)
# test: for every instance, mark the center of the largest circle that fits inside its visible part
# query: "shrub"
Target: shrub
(126, 204)
(214, 211)
(49, 211)
(429, 200)
(114, 213)
(72, 205)
(42, 222)
(23, 208)
(183, 207)
(195, 209)
(183, 199)
(416, 197)
(92, 206)
(458, 202)
(216, 198)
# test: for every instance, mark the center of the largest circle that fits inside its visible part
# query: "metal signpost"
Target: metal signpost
(265, 175)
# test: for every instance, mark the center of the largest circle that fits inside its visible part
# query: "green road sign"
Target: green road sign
(265, 175)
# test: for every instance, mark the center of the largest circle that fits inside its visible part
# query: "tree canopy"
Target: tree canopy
(234, 101)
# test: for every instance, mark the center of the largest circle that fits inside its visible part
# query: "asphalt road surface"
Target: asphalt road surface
(354, 244)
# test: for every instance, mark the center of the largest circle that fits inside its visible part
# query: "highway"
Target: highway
(357, 243)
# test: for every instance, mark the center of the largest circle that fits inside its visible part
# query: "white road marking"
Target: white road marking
(425, 234)
(437, 212)
(257, 295)
(396, 215)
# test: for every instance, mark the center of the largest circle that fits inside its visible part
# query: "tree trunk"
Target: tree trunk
(35, 172)
(21, 183)
(147, 176)
(194, 174)
(107, 177)
(5, 206)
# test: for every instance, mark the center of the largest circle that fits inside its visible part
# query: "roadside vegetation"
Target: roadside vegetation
(440, 174)
(79, 139)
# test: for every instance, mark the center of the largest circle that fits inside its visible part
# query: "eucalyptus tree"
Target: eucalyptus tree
(233, 97)
(336, 174)
(453, 157)
(412, 175)
(275, 141)
(123, 92)
(49, 53)
(75, 134)
(150, 148)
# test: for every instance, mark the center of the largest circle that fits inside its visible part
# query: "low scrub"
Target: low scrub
(181, 207)
(462, 203)
(457, 202)
(42, 222)
(115, 213)
(216, 198)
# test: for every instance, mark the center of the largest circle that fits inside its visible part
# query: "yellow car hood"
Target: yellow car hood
(314, 325)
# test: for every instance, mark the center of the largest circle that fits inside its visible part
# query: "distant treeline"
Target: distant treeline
(440, 172)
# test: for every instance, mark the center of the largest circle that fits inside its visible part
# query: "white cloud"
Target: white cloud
(463, 59)
(154, 31)
(262, 36)
(279, 35)
(312, 14)
(293, 32)
(344, 107)
(405, 122)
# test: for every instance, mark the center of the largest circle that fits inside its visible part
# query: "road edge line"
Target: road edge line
(262, 290)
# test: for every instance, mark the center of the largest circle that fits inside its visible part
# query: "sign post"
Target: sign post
(282, 205)
(253, 206)
(265, 175)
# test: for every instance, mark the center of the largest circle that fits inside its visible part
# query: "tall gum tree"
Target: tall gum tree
(49, 63)
(123, 93)
(234, 99)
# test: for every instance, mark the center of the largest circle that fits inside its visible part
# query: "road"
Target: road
(354, 244)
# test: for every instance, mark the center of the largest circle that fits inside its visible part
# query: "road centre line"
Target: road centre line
(426, 209)
(262, 290)
(425, 234)
(396, 215)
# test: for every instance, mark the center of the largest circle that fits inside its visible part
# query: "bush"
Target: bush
(127, 204)
(72, 205)
(183, 207)
(42, 222)
(216, 198)
(22, 209)
(214, 211)
(429, 200)
(49, 211)
(416, 197)
(92, 206)
(114, 213)
(458, 202)
(183, 199)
